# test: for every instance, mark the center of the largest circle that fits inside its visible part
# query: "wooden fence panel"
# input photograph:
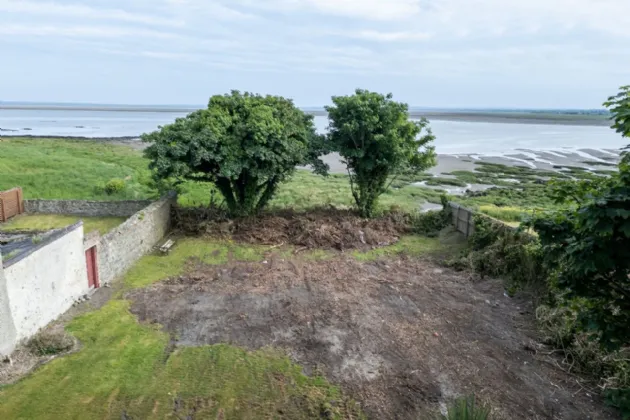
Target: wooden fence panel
(463, 219)
(11, 204)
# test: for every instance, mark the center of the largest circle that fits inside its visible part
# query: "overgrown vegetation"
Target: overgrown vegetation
(78, 169)
(245, 144)
(377, 141)
(467, 408)
(580, 260)
(50, 342)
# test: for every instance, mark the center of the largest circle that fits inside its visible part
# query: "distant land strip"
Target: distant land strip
(494, 116)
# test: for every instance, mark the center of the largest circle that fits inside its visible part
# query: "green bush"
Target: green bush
(114, 186)
(431, 223)
(245, 144)
(467, 408)
(502, 251)
(378, 142)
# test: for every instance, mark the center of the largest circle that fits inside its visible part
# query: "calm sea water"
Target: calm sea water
(452, 137)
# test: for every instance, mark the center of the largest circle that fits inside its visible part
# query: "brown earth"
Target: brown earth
(403, 337)
(323, 228)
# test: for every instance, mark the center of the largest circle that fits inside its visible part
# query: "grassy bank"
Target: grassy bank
(79, 169)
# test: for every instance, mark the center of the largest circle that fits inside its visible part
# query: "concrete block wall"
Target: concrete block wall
(119, 249)
(40, 285)
(85, 207)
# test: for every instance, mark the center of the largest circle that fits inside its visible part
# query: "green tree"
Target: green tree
(619, 106)
(378, 142)
(245, 144)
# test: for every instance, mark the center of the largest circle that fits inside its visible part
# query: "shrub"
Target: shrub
(245, 144)
(50, 342)
(467, 408)
(114, 186)
(432, 222)
(503, 251)
(378, 142)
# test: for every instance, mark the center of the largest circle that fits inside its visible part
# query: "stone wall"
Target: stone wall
(119, 249)
(86, 208)
(42, 284)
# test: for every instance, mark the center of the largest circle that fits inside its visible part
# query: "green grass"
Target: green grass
(65, 169)
(415, 246)
(80, 169)
(124, 366)
(42, 222)
(506, 214)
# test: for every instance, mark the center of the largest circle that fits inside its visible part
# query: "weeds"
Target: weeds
(50, 342)
(467, 408)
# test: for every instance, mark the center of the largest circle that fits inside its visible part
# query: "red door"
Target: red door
(92, 269)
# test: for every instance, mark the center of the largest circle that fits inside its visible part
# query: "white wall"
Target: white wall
(7, 329)
(45, 284)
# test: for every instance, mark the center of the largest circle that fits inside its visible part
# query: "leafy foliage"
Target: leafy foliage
(619, 106)
(503, 251)
(378, 142)
(245, 144)
(114, 186)
(589, 250)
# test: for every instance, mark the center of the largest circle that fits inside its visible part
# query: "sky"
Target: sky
(431, 53)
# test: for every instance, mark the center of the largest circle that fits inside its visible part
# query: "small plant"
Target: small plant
(467, 408)
(37, 239)
(114, 186)
(50, 342)
(11, 255)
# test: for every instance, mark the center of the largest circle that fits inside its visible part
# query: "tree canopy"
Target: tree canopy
(619, 106)
(378, 142)
(245, 144)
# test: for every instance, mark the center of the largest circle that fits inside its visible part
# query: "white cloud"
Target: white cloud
(207, 8)
(83, 31)
(81, 11)
(486, 17)
(373, 35)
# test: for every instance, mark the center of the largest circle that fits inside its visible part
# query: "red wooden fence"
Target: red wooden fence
(11, 203)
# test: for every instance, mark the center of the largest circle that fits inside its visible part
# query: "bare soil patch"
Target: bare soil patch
(323, 228)
(401, 336)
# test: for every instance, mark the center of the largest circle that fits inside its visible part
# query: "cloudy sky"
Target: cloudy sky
(434, 53)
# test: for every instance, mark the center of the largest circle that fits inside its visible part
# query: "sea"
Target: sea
(452, 137)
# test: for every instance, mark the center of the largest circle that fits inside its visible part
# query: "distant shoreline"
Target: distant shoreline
(510, 117)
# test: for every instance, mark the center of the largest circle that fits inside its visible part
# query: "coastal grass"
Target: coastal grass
(43, 222)
(72, 169)
(80, 169)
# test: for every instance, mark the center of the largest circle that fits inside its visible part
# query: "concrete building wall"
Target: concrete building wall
(119, 249)
(86, 208)
(7, 329)
(45, 283)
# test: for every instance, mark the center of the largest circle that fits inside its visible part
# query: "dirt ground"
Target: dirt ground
(401, 336)
(324, 228)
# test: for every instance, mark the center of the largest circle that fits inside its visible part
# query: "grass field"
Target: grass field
(79, 169)
(125, 366)
(42, 222)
